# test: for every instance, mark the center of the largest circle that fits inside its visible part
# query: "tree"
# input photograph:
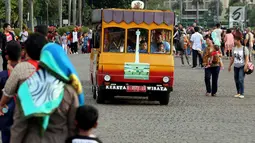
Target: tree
(8, 11)
(112, 3)
(196, 3)
(69, 11)
(213, 7)
(74, 12)
(60, 5)
(80, 11)
(20, 14)
(31, 18)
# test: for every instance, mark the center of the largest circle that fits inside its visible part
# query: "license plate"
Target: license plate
(136, 88)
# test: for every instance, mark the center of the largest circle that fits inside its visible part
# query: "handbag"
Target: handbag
(250, 65)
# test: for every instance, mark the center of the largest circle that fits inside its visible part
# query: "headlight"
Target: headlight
(107, 78)
(166, 79)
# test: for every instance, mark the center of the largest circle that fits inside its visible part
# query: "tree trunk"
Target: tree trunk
(74, 12)
(31, 18)
(197, 12)
(218, 10)
(20, 14)
(80, 11)
(8, 11)
(60, 12)
(69, 11)
(47, 13)
(181, 11)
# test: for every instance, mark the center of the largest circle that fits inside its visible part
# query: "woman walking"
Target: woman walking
(213, 69)
(229, 43)
(240, 59)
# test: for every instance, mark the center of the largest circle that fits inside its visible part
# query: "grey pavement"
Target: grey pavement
(190, 116)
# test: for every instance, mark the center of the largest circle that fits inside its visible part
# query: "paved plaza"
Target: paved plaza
(190, 116)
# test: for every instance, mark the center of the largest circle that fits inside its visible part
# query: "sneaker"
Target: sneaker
(241, 96)
(207, 94)
(237, 96)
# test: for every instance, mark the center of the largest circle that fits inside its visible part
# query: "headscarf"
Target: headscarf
(42, 93)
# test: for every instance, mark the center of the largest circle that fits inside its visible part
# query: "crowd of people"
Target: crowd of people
(210, 47)
(31, 109)
(70, 41)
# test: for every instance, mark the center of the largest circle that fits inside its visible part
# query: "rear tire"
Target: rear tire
(164, 98)
(99, 96)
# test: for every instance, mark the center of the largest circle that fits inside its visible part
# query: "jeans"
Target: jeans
(6, 135)
(184, 53)
(4, 60)
(214, 73)
(195, 53)
(239, 79)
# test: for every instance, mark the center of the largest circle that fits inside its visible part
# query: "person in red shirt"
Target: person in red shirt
(5, 38)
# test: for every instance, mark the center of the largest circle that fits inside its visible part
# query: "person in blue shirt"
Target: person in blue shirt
(13, 55)
(143, 47)
(85, 43)
(159, 39)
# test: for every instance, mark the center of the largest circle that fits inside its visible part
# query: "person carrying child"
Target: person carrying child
(13, 55)
(214, 58)
(86, 120)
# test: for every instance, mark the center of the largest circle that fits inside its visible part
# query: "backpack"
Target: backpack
(250, 64)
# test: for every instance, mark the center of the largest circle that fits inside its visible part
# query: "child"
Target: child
(213, 57)
(161, 48)
(85, 43)
(86, 118)
(13, 55)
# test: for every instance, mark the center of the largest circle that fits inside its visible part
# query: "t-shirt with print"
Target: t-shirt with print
(238, 54)
(83, 139)
(8, 37)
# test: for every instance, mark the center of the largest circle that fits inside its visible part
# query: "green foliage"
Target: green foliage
(84, 29)
(66, 29)
(62, 30)
(17, 31)
(194, 2)
(213, 7)
(70, 28)
(112, 3)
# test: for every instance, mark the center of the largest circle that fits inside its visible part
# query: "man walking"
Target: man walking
(5, 38)
(196, 42)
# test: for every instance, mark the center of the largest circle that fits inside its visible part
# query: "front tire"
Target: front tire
(164, 99)
(99, 96)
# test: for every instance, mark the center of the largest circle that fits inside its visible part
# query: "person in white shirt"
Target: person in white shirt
(75, 42)
(196, 42)
(23, 35)
(90, 34)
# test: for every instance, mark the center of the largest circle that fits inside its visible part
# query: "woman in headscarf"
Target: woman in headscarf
(47, 96)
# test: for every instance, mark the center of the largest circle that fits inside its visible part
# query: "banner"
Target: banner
(236, 15)
(139, 71)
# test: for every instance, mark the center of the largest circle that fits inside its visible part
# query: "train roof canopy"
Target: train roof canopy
(133, 15)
